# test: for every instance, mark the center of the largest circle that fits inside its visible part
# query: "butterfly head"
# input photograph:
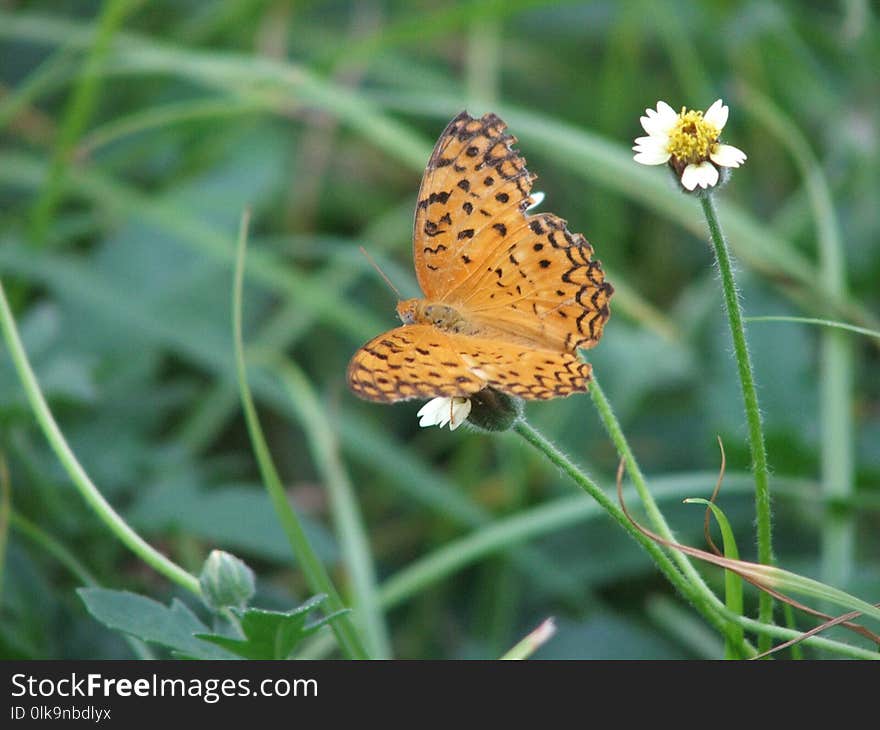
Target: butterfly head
(407, 310)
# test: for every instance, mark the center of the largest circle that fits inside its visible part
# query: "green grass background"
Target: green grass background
(132, 136)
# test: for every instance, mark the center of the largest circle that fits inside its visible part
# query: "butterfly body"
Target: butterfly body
(445, 318)
(442, 316)
(509, 297)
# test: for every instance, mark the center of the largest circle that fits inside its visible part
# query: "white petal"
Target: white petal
(434, 413)
(651, 125)
(666, 111)
(659, 123)
(537, 199)
(651, 156)
(716, 115)
(461, 407)
(705, 175)
(649, 142)
(727, 155)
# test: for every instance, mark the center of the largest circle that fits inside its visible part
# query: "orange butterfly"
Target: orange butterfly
(509, 297)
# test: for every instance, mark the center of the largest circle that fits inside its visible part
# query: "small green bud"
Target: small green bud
(226, 581)
(492, 410)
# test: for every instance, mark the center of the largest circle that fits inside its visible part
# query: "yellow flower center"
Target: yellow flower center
(692, 138)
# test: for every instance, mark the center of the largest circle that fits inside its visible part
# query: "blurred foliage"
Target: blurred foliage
(132, 136)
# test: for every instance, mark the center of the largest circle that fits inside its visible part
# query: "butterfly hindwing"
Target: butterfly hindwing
(414, 361)
(420, 361)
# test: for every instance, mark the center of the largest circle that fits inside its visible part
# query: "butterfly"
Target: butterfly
(509, 297)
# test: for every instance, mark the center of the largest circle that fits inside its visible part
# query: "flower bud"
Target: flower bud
(226, 581)
(492, 410)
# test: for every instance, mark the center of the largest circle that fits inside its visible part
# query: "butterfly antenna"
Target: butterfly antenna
(381, 273)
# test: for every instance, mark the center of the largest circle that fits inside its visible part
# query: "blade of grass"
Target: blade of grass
(313, 569)
(482, 61)
(821, 322)
(350, 530)
(532, 642)
(166, 115)
(77, 113)
(733, 588)
(416, 28)
(236, 73)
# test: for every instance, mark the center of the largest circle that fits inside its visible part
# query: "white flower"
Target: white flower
(688, 141)
(537, 199)
(443, 410)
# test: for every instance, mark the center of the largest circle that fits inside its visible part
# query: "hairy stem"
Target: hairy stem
(750, 400)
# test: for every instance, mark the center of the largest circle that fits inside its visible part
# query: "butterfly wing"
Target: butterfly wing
(420, 361)
(541, 286)
(473, 180)
(523, 278)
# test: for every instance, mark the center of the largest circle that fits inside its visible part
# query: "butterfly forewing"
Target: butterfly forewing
(473, 185)
(476, 248)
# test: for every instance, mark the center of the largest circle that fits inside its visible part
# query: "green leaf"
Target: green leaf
(271, 634)
(174, 627)
(733, 588)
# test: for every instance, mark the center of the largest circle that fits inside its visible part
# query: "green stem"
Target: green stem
(74, 469)
(313, 569)
(750, 400)
(703, 600)
(612, 426)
